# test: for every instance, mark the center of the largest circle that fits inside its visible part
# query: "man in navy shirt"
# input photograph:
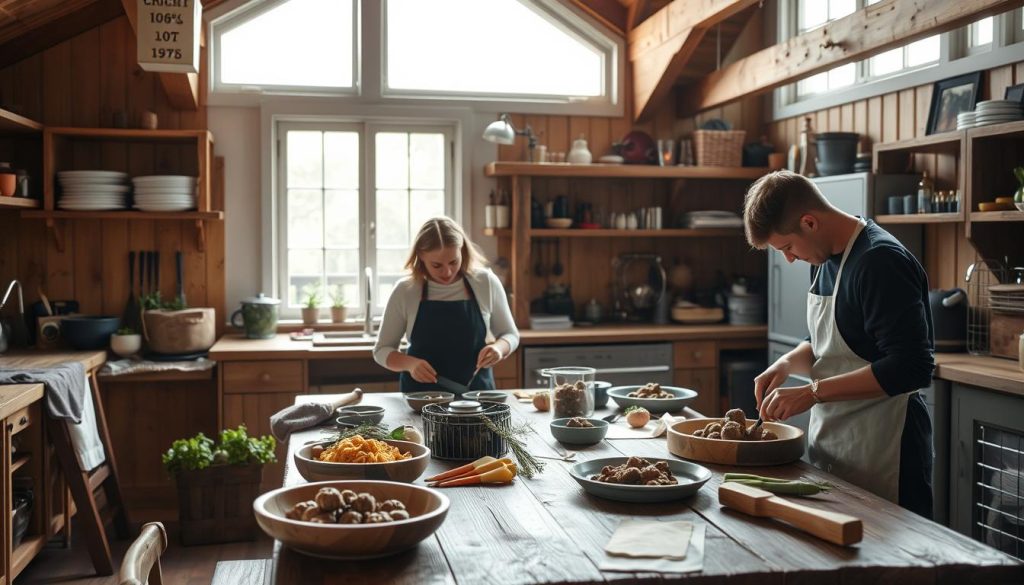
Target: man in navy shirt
(871, 344)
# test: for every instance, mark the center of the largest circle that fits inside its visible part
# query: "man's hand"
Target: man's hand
(771, 379)
(783, 403)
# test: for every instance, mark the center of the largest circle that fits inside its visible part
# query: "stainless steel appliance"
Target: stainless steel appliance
(618, 364)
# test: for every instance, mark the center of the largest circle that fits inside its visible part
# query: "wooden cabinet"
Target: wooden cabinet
(251, 391)
(705, 382)
(506, 373)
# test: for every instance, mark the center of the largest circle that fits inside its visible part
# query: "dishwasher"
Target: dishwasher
(618, 365)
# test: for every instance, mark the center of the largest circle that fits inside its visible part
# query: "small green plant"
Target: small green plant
(312, 292)
(236, 448)
(337, 296)
(126, 331)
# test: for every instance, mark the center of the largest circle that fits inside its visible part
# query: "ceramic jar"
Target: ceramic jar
(580, 154)
(8, 180)
(258, 317)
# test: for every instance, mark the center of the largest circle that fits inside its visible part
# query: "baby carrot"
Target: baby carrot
(504, 474)
(496, 464)
(463, 470)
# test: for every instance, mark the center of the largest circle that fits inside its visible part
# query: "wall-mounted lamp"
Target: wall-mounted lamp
(501, 131)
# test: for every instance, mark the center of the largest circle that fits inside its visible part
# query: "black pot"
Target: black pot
(88, 332)
(837, 152)
(949, 319)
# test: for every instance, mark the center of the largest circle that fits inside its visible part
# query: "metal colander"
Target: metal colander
(465, 436)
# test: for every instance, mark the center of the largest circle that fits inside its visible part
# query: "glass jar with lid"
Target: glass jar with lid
(572, 391)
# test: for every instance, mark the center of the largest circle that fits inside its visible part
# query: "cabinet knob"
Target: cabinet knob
(10, 427)
(265, 377)
(23, 421)
(697, 354)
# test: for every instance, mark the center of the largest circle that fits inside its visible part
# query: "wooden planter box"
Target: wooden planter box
(215, 504)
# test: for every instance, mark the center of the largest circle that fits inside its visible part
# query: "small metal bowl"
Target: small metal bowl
(486, 396)
(360, 413)
(417, 400)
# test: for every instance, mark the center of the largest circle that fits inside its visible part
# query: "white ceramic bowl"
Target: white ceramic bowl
(125, 345)
(427, 510)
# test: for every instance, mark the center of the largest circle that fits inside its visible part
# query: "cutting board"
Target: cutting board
(836, 528)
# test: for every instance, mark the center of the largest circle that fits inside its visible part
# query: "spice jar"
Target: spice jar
(572, 391)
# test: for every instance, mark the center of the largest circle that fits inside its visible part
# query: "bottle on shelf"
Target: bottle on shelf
(491, 212)
(924, 194)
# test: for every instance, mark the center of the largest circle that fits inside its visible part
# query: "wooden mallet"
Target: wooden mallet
(836, 528)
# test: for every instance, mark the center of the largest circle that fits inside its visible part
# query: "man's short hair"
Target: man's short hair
(775, 203)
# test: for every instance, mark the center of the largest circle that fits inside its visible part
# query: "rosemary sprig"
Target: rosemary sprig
(367, 430)
(528, 464)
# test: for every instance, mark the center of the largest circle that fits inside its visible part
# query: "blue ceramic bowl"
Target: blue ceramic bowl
(601, 394)
(579, 435)
(360, 413)
(87, 331)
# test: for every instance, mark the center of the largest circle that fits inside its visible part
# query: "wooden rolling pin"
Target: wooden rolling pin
(835, 528)
(301, 416)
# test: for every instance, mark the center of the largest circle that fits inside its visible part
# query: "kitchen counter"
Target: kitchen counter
(31, 359)
(237, 347)
(998, 374)
(548, 530)
(14, 397)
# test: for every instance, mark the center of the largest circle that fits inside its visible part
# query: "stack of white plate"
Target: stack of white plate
(165, 193)
(92, 190)
(965, 120)
(1007, 298)
(997, 112)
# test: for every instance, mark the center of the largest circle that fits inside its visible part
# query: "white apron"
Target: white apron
(858, 440)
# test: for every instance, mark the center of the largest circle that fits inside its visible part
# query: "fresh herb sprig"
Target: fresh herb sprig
(528, 465)
(367, 430)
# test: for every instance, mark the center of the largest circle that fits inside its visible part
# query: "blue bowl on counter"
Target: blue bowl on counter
(601, 394)
(88, 331)
(357, 414)
(592, 435)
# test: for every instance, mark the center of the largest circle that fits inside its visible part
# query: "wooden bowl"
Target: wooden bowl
(427, 510)
(786, 449)
(406, 470)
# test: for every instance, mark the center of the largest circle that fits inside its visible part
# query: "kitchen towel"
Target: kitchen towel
(65, 389)
(85, 437)
(130, 366)
(694, 561)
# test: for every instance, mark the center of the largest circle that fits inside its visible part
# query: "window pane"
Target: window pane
(812, 13)
(923, 51)
(392, 218)
(385, 284)
(305, 159)
(392, 160)
(304, 270)
(296, 29)
(981, 32)
(305, 219)
(842, 76)
(887, 62)
(392, 261)
(488, 52)
(424, 205)
(813, 84)
(341, 219)
(840, 8)
(341, 160)
(426, 161)
(349, 290)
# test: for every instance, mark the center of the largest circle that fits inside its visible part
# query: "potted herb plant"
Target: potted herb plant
(125, 342)
(311, 310)
(338, 308)
(217, 483)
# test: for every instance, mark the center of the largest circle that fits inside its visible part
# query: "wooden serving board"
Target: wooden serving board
(786, 449)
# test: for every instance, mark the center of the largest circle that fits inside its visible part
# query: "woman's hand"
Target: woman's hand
(783, 403)
(489, 356)
(771, 379)
(421, 371)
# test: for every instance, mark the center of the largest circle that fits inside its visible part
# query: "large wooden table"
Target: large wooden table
(547, 530)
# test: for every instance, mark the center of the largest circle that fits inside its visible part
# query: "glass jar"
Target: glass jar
(572, 391)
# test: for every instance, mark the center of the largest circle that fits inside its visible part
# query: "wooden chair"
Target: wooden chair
(141, 563)
(83, 485)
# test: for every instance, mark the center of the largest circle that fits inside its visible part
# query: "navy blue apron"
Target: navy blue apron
(448, 335)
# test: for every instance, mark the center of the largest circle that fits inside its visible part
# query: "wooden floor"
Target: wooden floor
(193, 565)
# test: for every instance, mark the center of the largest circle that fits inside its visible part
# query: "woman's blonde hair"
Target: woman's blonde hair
(443, 232)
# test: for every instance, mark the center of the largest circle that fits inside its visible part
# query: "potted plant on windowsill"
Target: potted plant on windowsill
(217, 483)
(125, 342)
(338, 308)
(311, 310)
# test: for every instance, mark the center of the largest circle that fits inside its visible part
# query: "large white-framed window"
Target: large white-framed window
(986, 43)
(282, 46)
(531, 56)
(352, 194)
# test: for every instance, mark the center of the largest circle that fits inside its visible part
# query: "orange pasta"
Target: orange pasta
(359, 450)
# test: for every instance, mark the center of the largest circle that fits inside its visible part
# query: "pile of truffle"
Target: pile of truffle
(637, 471)
(579, 422)
(650, 390)
(570, 400)
(734, 428)
(332, 506)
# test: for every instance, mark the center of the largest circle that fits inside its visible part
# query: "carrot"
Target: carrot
(496, 464)
(463, 470)
(503, 474)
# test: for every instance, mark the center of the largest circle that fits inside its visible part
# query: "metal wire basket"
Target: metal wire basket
(982, 274)
(465, 436)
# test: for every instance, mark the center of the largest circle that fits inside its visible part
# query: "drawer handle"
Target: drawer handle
(697, 354)
(265, 377)
(23, 421)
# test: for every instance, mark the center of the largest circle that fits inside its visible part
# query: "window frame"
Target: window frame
(274, 251)
(235, 15)
(954, 59)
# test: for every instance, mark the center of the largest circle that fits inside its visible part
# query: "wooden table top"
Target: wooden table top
(548, 530)
(989, 372)
(14, 397)
(35, 359)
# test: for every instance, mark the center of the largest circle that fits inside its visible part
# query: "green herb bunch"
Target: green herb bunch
(236, 448)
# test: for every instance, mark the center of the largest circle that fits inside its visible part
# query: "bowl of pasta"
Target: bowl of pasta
(360, 458)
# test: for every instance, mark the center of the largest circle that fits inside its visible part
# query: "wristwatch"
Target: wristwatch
(814, 391)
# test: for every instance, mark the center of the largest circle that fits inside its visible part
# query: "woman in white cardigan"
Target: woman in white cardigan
(451, 309)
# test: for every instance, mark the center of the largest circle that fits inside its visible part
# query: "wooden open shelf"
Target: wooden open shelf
(19, 203)
(947, 142)
(132, 134)
(11, 123)
(606, 171)
(55, 220)
(616, 233)
(19, 462)
(985, 216)
(26, 551)
(919, 218)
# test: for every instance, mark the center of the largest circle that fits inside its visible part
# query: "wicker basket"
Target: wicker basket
(215, 504)
(718, 148)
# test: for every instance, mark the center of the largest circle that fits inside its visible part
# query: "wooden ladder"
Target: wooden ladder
(83, 485)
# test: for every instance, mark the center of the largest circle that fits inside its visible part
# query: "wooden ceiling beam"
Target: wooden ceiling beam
(870, 31)
(661, 46)
(182, 89)
(58, 30)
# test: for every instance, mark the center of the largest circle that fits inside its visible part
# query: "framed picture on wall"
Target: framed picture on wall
(949, 98)
(1015, 93)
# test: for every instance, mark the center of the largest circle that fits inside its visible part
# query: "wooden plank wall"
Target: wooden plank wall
(587, 261)
(83, 82)
(898, 116)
